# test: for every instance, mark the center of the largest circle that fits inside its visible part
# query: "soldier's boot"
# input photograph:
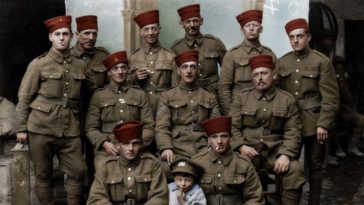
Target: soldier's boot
(44, 191)
(353, 150)
(291, 196)
(315, 187)
(74, 188)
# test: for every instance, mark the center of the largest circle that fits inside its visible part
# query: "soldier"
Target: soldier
(152, 66)
(47, 113)
(133, 177)
(309, 76)
(211, 49)
(115, 103)
(181, 109)
(266, 128)
(235, 71)
(85, 49)
(229, 178)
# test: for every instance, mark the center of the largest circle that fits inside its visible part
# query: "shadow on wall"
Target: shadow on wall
(23, 37)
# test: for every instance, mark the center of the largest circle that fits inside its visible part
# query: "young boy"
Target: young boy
(184, 190)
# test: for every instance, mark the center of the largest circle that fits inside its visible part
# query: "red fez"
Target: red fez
(217, 125)
(58, 22)
(114, 59)
(261, 61)
(295, 24)
(189, 11)
(128, 131)
(250, 15)
(146, 18)
(186, 57)
(86, 22)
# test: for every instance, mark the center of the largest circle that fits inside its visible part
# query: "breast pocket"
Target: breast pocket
(178, 109)
(249, 116)
(133, 110)
(279, 116)
(107, 109)
(163, 72)
(209, 62)
(115, 184)
(242, 70)
(204, 110)
(143, 184)
(206, 183)
(77, 83)
(309, 81)
(51, 84)
(234, 181)
(283, 79)
(98, 75)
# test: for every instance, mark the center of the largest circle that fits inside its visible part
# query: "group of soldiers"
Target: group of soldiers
(140, 113)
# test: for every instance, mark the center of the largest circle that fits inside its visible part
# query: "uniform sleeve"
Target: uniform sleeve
(163, 124)
(292, 134)
(27, 92)
(225, 83)
(158, 191)
(146, 116)
(252, 190)
(175, 77)
(330, 95)
(93, 124)
(221, 49)
(99, 193)
(236, 124)
(215, 107)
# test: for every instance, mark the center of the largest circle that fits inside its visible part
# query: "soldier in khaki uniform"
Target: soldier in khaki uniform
(152, 66)
(87, 30)
(309, 76)
(229, 178)
(133, 178)
(47, 113)
(235, 70)
(180, 111)
(115, 103)
(266, 128)
(211, 49)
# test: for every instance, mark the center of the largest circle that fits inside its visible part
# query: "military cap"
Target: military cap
(296, 24)
(86, 22)
(217, 125)
(147, 18)
(186, 57)
(187, 167)
(189, 11)
(114, 59)
(58, 22)
(127, 131)
(250, 15)
(261, 61)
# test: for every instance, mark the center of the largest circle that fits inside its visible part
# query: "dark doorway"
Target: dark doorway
(354, 52)
(22, 38)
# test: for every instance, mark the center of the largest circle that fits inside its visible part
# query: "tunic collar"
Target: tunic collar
(186, 87)
(226, 159)
(60, 57)
(116, 87)
(249, 48)
(80, 54)
(151, 50)
(269, 94)
(193, 40)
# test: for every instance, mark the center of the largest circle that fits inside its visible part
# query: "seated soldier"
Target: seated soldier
(229, 178)
(266, 128)
(131, 178)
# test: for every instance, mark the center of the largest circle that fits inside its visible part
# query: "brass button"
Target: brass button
(297, 70)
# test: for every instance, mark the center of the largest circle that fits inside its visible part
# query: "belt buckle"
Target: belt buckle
(64, 103)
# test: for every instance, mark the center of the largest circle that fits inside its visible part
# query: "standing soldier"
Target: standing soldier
(235, 70)
(266, 128)
(180, 111)
(211, 49)
(309, 76)
(47, 113)
(132, 178)
(116, 103)
(229, 178)
(152, 66)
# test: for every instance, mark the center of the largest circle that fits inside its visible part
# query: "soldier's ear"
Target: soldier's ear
(50, 36)
(274, 75)
(178, 71)
(309, 37)
(181, 24)
(201, 20)
(261, 29)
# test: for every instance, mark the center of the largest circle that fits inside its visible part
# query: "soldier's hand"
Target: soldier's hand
(181, 197)
(22, 137)
(281, 164)
(109, 148)
(248, 151)
(168, 155)
(322, 134)
(142, 73)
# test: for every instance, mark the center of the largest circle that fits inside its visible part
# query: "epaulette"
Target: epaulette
(287, 54)
(102, 49)
(169, 50)
(320, 54)
(102, 88)
(176, 42)
(241, 156)
(111, 158)
(41, 56)
(210, 36)
(285, 93)
(147, 155)
(135, 86)
(235, 47)
(267, 48)
(247, 89)
(201, 153)
(135, 51)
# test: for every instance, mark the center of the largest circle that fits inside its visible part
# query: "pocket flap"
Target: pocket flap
(211, 55)
(143, 178)
(177, 104)
(98, 69)
(248, 110)
(78, 76)
(234, 179)
(133, 103)
(51, 75)
(106, 103)
(163, 65)
(136, 66)
(242, 62)
(280, 112)
(41, 106)
(205, 105)
(114, 179)
(284, 73)
(206, 179)
(310, 74)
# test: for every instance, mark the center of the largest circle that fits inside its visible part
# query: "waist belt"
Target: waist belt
(262, 131)
(309, 102)
(107, 127)
(193, 127)
(129, 202)
(156, 88)
(219, 199)
(65, 103)
(208, 80)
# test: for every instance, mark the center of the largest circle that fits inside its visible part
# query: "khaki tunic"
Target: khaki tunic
(310, 78)
(162, 71)
(7, 118)
(235, 72)
(96, 72)
(112, 104)
(119, 180)
(230, 179)
(180, 111)
(49, 95)
(211, 52)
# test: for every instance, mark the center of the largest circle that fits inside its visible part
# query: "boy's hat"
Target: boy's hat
(188, 167)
